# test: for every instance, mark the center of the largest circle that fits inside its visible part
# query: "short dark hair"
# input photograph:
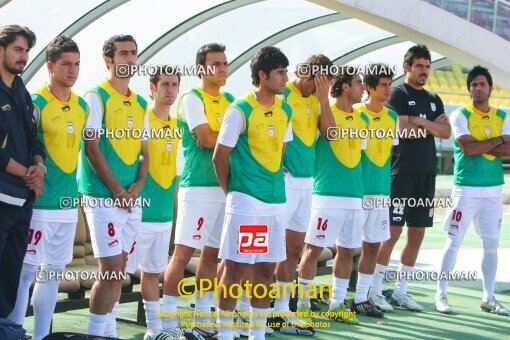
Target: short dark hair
(344, 76)
(9, 33)
(267, 59)
(202, 52)
(109, 45)
(59, 45)
(166, 70)
(416, 52)
(318, 62)
(374, 72)
(478, 70)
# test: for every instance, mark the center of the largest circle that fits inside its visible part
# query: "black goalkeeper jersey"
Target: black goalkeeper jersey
(415, 156)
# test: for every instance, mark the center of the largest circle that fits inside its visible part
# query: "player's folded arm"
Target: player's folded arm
(205, 137)
(439, 128)
(502, 150)
(471, 147)
(407, 129)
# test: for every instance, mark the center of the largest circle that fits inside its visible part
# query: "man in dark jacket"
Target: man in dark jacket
(21, 160)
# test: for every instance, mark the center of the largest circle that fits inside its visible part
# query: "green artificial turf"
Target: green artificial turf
(467, 321)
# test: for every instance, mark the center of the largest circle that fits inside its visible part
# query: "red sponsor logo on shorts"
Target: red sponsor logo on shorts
(31, 251)
(454, 226)
(253, 239)
(114, 243)
(320, 237)
(197, 237)
(132, 248)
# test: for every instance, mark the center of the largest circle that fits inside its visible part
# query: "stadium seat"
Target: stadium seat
(461, 100)
(450, 83)
(498, 102)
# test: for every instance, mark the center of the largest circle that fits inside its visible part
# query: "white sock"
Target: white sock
(281, 303)
(203, 309)
(225, 324)
(151, 318)
(447, 264)
(489, 266)
(97, 324)
(259, 319)
(111, 324)
(402, 282)
(44, 300)
(303, 288)
(20, 309)
(362, 287)
(169, 317)
(339, 292)
(377, 280)
(244, 306)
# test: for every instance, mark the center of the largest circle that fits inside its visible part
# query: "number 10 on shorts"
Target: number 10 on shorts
(253, 239)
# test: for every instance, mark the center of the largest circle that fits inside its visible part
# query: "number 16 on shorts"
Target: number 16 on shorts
(253, 239)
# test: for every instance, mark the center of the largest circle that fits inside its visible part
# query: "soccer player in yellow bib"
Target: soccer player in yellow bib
(201, 202)
(481, 137)
(248, 163)
(60, 115)
(114, 166)
(150, 251)
(298, 163)
(337, 216)
(376, 162)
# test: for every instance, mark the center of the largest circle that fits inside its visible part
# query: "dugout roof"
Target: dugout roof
(170, 32)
